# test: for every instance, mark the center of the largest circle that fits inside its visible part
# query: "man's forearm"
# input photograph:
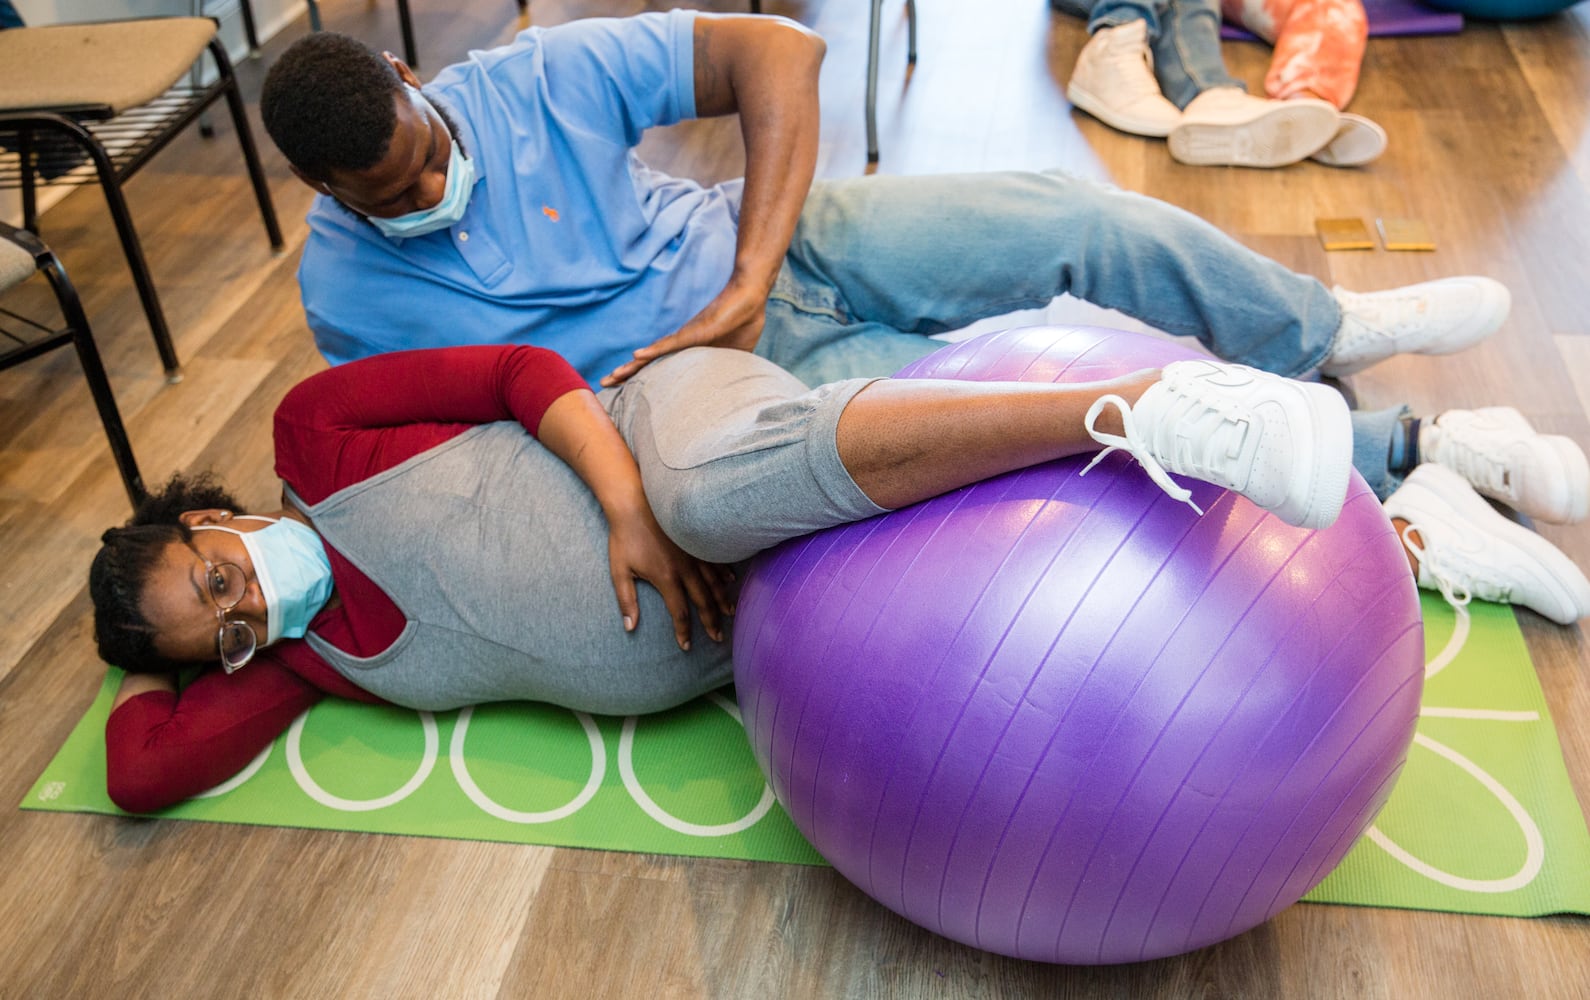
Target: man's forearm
(766, 70)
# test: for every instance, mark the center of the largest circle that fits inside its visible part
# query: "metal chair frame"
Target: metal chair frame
(18, 347)
(872, 64)
(56, 140)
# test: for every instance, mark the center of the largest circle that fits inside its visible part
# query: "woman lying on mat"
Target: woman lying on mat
(446, 514)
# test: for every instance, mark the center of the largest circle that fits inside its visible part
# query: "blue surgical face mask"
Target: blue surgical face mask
(445, 213)
(293, 571)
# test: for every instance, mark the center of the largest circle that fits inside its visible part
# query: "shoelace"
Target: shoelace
(1450, 593)
(1133, 444)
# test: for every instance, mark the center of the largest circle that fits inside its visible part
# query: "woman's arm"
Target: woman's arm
(351, 422)
(577, 430)
(162, 746)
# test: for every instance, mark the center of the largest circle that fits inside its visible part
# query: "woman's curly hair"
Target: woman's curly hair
(127, 557)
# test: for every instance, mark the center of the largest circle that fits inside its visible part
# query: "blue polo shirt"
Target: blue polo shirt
(569, 241)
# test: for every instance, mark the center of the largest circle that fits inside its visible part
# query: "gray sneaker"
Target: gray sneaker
(1285, 445)
(1466, 549)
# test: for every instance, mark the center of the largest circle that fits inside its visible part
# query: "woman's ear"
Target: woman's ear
(194, 518)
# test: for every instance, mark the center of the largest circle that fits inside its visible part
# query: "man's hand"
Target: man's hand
(733, 319)
(637, 549)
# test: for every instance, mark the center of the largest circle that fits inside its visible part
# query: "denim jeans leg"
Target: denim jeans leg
(1372, 431)
(1187, 59)
(924, 255)
(1114, 13)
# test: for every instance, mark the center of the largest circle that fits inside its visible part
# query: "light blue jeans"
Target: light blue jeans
(877, 264)
(1183, 35)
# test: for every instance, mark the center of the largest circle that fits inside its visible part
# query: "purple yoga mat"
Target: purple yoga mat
(1387, 17)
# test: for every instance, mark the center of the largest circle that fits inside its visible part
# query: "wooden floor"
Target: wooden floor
(1489, 145)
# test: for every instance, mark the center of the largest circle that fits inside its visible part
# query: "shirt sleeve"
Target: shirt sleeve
(351, 422)
(637, 71)
(162, 747)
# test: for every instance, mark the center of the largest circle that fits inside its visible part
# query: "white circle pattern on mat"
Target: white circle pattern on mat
(466, 781)
(295, 763)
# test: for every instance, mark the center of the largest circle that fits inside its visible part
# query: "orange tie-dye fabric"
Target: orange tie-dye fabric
(1319, 44)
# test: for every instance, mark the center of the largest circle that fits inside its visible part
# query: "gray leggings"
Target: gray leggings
(736, 454)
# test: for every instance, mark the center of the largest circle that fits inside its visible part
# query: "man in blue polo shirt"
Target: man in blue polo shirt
(563, 238)
(504, 202)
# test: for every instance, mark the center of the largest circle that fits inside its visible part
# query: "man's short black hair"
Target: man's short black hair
(328, 104)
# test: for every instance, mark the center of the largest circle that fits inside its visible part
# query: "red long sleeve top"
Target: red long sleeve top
(332, 430)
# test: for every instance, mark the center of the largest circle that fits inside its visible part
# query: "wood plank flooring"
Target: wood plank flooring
(1490, 146)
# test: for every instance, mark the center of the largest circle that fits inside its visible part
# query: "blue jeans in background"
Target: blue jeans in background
(1183, 35)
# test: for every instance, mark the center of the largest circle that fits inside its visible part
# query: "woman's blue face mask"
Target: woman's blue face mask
(293, 571)
(445, 213)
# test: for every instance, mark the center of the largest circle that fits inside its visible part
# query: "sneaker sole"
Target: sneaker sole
(1472, 509)
(1100, 109)
(1357, 141)
(1281, 136)
(1330, 463)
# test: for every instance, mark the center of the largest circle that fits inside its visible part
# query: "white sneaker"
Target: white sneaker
(1285, 445)
(1357, 141)
(1114, 82)
(1227, 126)
(1503, 457)
(1466, 549)
(1433, 317)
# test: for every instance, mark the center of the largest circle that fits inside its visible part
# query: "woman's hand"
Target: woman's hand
(637, 549)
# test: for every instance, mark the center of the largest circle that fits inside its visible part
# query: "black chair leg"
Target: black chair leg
(314, 16)
(245, 138)
(872, 82)
(910, 19)
(98, 382)
(249, 32)
(110, 186)
(407, 26)
(30, 192)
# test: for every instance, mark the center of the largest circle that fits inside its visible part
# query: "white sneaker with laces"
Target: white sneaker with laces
(1466, 549)
(1357, 141)
(1503, 457)
(1433, 317)
(1114, 82)
(1287, 446)
(1227, 126)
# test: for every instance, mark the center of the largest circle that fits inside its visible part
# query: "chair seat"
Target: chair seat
(16, 265)
(118, 64)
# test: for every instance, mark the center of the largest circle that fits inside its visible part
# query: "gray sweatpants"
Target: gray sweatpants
(736, 454)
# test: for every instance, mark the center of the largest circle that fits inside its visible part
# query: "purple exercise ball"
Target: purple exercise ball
(1064, 717)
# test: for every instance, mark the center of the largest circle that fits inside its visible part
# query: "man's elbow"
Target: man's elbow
(812, 43)
(796, 43)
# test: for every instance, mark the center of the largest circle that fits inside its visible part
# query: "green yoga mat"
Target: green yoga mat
(1483, 819)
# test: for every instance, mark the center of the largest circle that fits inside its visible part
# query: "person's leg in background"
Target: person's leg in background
(1156, 69)
(1319, 50)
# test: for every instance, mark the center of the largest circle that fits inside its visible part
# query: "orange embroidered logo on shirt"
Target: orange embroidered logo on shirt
(549, 212)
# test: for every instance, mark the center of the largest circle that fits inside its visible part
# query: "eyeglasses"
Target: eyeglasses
(227, 585)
